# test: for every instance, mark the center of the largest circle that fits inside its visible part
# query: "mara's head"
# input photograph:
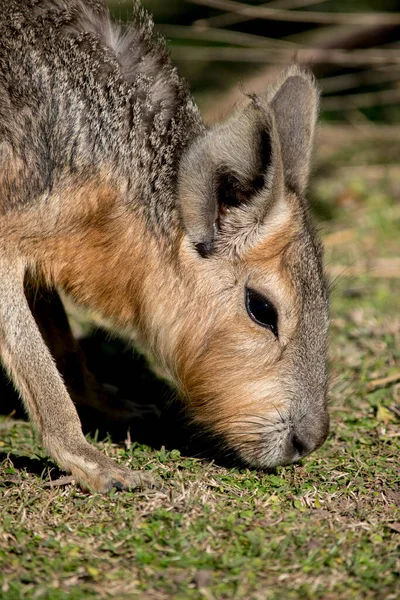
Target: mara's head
(250, 320)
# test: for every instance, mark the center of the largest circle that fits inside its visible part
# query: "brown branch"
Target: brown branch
(345, 38)
(320, 18)
(375, 384)
(380, 268)
(340, 83)
(233, 18)
(307, 56)
(351, 101)
(225, 36)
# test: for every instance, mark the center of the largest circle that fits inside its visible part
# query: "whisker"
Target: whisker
(245, 444)
(253, 416)
(238, 433)
(261, 418)
(278, 411)
(259, 425)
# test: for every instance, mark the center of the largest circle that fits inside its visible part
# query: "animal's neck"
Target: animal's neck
(107, 261)
(157, 147)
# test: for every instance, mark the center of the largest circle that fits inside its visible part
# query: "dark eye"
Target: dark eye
(262, 311)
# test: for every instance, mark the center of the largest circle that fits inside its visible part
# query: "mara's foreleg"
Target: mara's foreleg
(95, 403)
(34, 373)
(51, 318)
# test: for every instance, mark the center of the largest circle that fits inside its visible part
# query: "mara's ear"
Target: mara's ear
(241, 166)
(234, 164)
(294, 101)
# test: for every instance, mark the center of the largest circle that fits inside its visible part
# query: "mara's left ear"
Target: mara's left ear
(294, 101)
(231, 166)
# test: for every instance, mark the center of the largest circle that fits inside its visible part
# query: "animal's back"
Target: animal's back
(80, 95)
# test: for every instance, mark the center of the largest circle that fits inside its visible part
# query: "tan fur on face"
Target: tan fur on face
(228, 368)
(267, 265)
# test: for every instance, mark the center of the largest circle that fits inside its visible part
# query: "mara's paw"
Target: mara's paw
(118, 478)
(98, 473)
(133, 480)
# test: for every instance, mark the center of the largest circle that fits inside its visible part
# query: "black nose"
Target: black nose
(307, 435)
(299, 446)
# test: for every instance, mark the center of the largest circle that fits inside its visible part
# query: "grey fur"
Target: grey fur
(90, 91)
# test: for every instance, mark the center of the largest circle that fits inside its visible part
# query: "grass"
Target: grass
(326, 529)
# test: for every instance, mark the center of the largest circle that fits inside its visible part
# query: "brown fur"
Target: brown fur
(113, 190)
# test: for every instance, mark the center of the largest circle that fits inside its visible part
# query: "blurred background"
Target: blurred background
(225, 48)
(352, 46)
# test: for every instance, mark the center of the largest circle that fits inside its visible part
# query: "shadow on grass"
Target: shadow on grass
(33, 465)
(138, 405)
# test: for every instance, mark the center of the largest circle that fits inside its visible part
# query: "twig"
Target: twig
(320, 18)
(233, 18)
(339, 238)
(60, 482)
(349, 81)
(395, 410)
(225, 36)
(355, 58)
(375, 384)
(350, 101)
(383, 268)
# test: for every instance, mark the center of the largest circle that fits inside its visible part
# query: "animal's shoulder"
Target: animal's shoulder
(79, 91)
(77, 40)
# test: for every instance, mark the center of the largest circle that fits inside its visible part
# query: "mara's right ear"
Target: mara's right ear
(294, 101)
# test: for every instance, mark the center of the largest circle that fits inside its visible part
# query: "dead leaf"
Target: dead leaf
(60, 482)
(384, 415)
